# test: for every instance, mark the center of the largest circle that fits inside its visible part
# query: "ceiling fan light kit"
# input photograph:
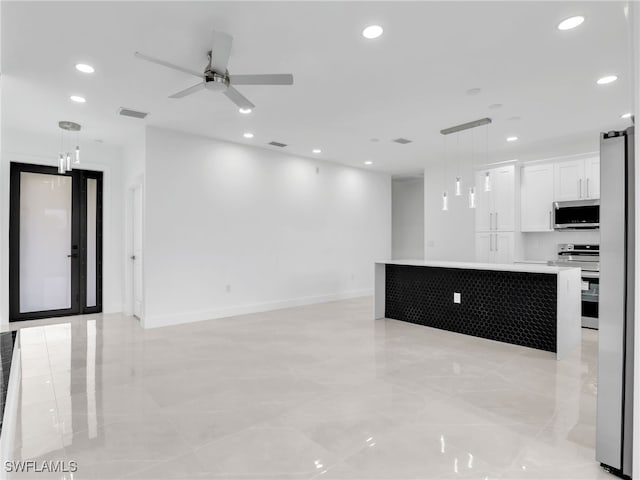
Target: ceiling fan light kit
(216, 77)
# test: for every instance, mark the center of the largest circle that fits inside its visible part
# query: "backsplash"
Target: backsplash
(544, 245)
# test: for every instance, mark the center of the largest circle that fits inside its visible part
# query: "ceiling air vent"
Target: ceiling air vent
(127, 112)
(278, 144)
(401, 140)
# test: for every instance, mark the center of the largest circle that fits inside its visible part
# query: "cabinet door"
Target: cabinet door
(592, 178)
(503, 189)
(484, 206)
(536, 198)
(503, 247)
(484, 247)
(569, 180)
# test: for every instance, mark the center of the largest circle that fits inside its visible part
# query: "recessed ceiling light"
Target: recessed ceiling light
(316, 150)
(248, 135)
(512, 139)
(244, 110)
(626, 115)
(571, 22)
(372, 31)
(514, 118)
(84, 68)
(474, 91)
(368, 162)
(607, 79)
(495, 106)
(77, 99)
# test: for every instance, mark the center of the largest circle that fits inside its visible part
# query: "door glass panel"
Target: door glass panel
(92, 208)
(45, 242)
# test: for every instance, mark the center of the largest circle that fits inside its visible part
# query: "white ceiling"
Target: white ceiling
(411, 82)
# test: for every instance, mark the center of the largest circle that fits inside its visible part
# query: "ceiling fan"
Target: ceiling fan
(216, 77)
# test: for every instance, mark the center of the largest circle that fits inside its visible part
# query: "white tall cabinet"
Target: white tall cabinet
(536, 191)
(496, 214)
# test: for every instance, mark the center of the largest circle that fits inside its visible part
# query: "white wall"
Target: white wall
(19, 146)
(232, 229)
(407, 218)
(448, 235)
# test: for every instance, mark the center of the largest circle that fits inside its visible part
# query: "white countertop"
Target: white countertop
(513, 267)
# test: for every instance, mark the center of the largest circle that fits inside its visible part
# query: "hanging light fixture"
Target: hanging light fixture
(472, 188)
(458, 184)
(487, 176)
(69, 132)
(487, 182)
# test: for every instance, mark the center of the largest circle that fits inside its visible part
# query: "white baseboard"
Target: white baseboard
(154, 321)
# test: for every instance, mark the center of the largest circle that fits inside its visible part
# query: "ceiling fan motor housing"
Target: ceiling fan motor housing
(216, 82)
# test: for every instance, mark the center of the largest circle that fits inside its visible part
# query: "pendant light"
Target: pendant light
(458, 190)
(472, 188)
(445, 202)
(487, 176)
(67, 130)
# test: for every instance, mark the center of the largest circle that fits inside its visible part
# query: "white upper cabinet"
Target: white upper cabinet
(577, 179)
(592, 177)
(568, 182)
(495, 209)
(504, 197)
(537, 194)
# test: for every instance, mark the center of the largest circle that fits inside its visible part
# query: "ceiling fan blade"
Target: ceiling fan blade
(142, 56)
(266, 79)
(236, 97)
(188, 91)
(220, 51)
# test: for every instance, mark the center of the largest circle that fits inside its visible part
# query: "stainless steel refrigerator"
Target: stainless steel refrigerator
(614, 423)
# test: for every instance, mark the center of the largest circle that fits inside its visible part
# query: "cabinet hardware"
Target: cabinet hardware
(580, 187)
(496, 223)
(550, 221)
(587, 188)
(490, 221)
(496, 235)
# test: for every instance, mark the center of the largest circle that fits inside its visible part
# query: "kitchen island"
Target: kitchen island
(532, 305)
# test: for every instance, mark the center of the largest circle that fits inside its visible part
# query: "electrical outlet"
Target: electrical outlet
(457, 298)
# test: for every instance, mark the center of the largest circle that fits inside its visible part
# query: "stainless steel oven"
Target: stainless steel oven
(587, 257)
(577, 214)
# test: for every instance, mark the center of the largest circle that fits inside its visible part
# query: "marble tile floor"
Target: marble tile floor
(314, 392)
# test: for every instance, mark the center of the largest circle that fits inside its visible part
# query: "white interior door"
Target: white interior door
(45, 242)
(136, 255)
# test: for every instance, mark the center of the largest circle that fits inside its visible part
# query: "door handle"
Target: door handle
(580, 187)
(550, 221)
(587, 188)
(491, 221)
(496, 217)
(496, 235)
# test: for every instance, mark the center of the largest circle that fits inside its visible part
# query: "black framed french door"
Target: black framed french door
(55, 242)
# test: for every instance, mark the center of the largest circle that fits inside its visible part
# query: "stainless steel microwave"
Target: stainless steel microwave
(576, 214)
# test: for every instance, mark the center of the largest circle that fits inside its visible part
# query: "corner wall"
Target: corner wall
(232, 229)
(407, 218)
